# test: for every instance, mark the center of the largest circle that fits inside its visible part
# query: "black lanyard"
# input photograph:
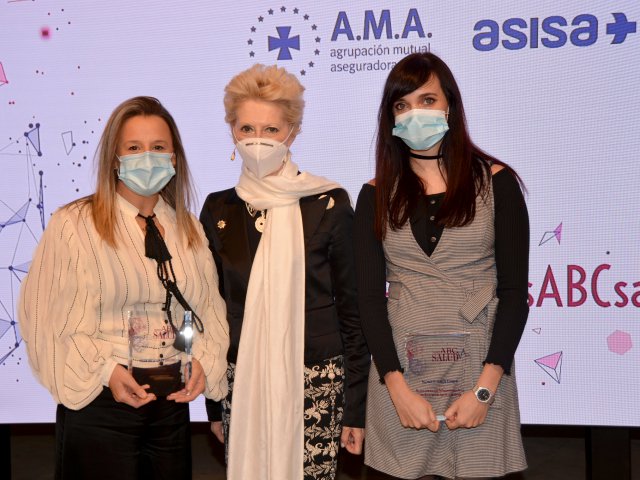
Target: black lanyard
(156, 248)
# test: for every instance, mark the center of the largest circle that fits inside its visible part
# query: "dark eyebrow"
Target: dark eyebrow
(422, 95)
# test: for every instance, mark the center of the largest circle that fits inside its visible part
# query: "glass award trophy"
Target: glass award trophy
(435, 367)
(145, 367)
(137, 323)
(187, 332)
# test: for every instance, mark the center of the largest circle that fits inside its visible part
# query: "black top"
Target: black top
(332, 321)
(512, 266)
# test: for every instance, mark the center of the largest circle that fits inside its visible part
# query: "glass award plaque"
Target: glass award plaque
(435, 367)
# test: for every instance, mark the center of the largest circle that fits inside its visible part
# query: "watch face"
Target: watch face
(483, 394)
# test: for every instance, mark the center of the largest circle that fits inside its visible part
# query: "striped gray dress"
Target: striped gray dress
(451, 291)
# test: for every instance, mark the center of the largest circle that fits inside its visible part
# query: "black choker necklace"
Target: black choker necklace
(425, 157)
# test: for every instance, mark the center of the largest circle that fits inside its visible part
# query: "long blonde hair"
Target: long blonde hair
(178, 192)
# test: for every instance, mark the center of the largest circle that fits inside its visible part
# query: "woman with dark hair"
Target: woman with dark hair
(102, 308)
(446, 225)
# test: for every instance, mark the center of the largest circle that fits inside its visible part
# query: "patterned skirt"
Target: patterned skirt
(323, 409)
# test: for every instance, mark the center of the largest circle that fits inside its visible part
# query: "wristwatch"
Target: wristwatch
(484, 395)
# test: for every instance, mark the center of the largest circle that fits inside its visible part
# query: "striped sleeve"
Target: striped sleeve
(57, 313)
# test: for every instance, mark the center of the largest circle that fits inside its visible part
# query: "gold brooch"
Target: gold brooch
(222, 224)
(331, 202)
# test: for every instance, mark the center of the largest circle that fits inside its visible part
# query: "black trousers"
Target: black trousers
(108, 440)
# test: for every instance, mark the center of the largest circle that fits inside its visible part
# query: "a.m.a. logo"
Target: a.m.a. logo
(287, 36)
(373, 40)
(379, 26)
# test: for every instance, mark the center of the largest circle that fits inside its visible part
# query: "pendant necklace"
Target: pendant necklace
(261, 220)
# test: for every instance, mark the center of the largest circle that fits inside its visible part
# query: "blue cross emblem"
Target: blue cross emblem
(620, 28)
(284, 43)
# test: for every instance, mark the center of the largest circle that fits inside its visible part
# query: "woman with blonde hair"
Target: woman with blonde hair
(281, 241)
(102, 306)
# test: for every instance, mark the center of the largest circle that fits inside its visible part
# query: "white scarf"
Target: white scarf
(266, 438)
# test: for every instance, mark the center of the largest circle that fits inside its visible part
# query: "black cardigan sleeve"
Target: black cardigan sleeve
(356, 354)
(512, 267)
(214, 409)
(372, 285)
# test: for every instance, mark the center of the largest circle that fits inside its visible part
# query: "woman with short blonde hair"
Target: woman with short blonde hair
(281, 240)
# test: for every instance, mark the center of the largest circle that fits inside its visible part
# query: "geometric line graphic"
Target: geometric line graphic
(4, 357)
(40, 204)
(67, 139)
(552, 365)
(17, 217)
(17, 232)
(550, 234)
(23, 267)
(34, 137)
(13, 341)
(4, 326)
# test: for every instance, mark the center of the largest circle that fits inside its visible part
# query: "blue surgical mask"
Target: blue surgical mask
(421, 128)
(146, 173)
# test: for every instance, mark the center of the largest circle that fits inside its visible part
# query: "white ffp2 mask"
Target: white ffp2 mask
(263, 156)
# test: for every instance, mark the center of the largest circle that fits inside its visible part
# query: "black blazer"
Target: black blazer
(332, 321)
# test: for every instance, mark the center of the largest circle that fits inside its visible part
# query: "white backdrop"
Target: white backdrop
(549, 87)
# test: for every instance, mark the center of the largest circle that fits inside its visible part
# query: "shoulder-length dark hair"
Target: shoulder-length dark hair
(466, 168)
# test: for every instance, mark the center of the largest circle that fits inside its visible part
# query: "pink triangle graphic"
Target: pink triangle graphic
(3, 76)
(552, 365)
(558, 232)
(550, 361)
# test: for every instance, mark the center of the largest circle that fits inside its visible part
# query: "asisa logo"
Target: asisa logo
(551, 32)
